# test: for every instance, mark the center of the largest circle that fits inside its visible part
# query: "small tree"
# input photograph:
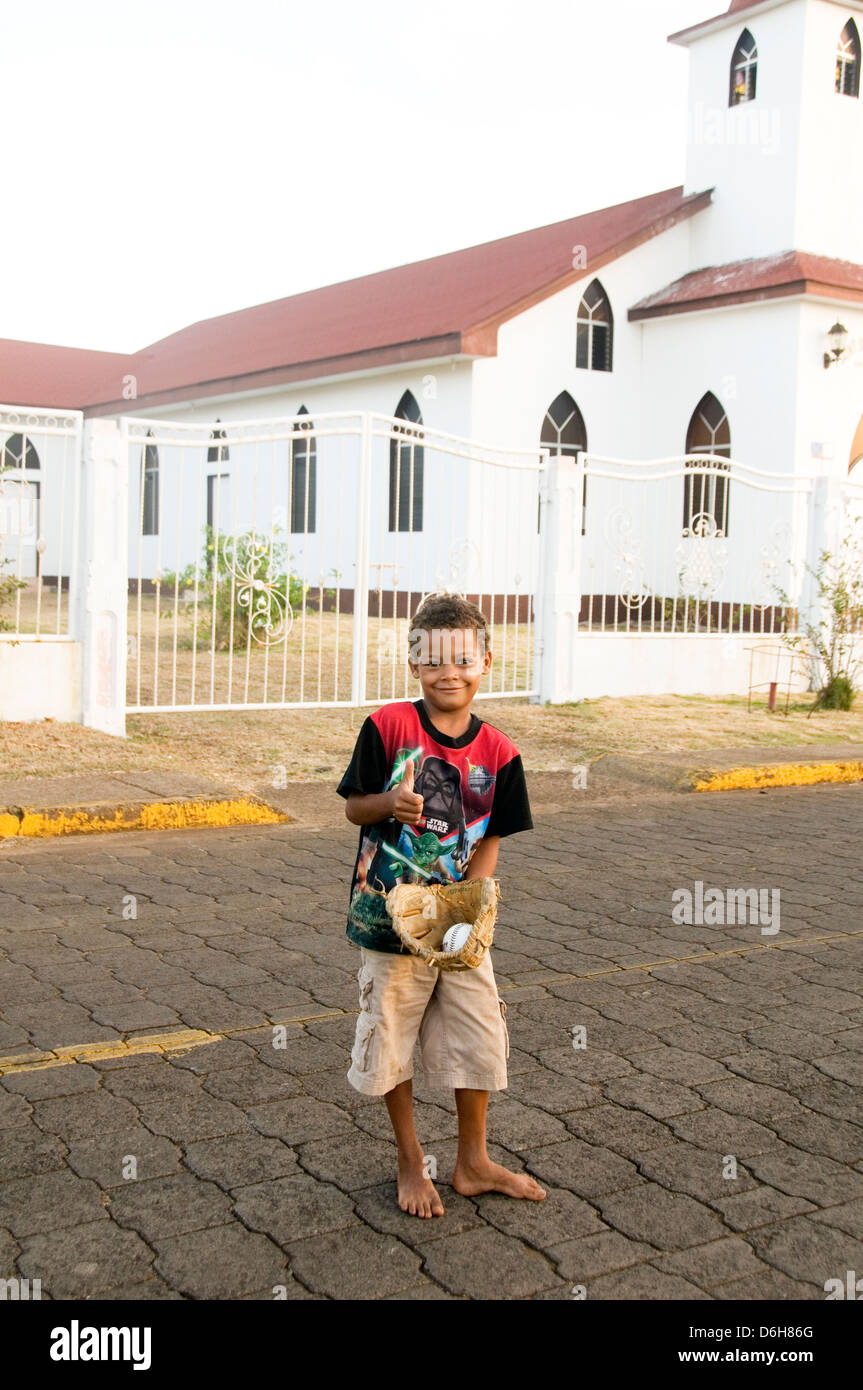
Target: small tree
(836, 638)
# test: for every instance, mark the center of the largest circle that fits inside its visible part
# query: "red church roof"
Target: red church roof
(760, 277)
(443, 306)
(65, 377)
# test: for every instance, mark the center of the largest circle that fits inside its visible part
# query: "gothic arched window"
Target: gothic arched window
(563, 432)
(594, 327)
(705, 494)
(744, 68)
(406, 469)
(150, 489)
(19, 452)
(848, 61)
(218, 453)
(304, 477)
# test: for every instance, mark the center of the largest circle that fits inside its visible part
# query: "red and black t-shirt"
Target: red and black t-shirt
(471, 786)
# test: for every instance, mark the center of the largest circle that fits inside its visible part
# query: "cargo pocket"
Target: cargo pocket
(365, 979)
(505, 1029)
(363, 1043)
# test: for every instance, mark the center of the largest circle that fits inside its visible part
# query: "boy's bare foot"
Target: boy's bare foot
(418, 1195)
(484, 1176)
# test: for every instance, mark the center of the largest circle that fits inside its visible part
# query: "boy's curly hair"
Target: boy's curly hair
(440, 612)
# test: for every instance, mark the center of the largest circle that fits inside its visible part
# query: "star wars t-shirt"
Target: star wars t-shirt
(471, 786)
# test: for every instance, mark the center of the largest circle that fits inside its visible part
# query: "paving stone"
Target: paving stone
(686, 1168)
(669, 1220)
(486, 1264)
(53, 1081)
(293, 1208)
(758, 1206)
(653, 1096)
(27, 1150)
(237, 1160)
(644, 1282)
(801, 1174)
(587, 1257)
(47, 1202)
(378, 1207)
(808, 1250)
(560, 1217)
(86, 1261)
(768, 1287)
(848, 1216)
(220, 1262)
(76, 1117)
(169, 1205)
(300, 1119)
(106, 1157)
(551, 1091)
(188, 1119)
(625, 1131)
(351, 1160)
(355, 1264)
(15, 1111)
(714, 1263)
(588, 1170)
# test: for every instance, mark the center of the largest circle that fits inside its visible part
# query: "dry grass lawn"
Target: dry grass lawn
(312, 745)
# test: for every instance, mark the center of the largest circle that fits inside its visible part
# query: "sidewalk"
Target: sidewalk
(42, 807)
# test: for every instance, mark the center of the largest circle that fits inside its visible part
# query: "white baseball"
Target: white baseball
(456, 935)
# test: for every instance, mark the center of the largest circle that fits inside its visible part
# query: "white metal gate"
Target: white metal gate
(276, 562)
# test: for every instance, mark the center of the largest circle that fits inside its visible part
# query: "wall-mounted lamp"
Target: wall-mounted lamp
(834, 344)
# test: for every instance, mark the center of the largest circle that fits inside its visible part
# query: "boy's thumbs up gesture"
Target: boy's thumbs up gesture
(407, 806)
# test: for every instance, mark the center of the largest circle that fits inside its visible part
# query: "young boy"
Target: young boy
(433, 788)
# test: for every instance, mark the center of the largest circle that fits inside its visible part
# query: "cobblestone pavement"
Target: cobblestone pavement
(259, 1167)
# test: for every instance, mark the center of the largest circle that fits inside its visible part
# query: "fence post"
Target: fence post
(560, 580)
(825, 533)
(361, 578)
(103, 592)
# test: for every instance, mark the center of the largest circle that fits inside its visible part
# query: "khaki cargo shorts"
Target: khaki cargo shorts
(456, 1014)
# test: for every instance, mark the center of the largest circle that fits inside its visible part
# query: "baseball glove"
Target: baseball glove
(421, 914)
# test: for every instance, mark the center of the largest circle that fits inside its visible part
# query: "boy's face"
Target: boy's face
(449, 664)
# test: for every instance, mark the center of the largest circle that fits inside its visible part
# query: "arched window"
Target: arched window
(20, 517)
(744, 68)
(19, 452)
(563, 432)
(150, 489)
(406, 470)
(705, 494)
(594, 328)
(218, 453)
(848, 61)
(304, 477)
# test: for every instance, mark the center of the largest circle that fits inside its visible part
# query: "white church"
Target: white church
(720, 317)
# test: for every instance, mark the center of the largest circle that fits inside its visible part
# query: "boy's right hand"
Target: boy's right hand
(407, 805)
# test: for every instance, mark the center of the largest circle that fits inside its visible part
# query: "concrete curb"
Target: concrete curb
(776, 775)
(44, 822)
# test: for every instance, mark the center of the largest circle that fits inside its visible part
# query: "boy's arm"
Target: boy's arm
(483, 861)
(371, 808)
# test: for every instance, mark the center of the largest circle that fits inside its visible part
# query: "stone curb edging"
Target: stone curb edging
(46, 822)
(775, 775)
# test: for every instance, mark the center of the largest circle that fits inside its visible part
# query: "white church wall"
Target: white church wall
(829, 187)
(831, 400)
(442, 389)
(748, 153)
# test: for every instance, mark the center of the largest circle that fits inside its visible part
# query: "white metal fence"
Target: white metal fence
(276, 562)
(696, 544)
(40, 473)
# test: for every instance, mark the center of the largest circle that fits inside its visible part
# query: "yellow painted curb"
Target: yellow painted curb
(780, 775)
(156, 815)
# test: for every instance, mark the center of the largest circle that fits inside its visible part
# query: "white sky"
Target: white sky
(171, 160)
